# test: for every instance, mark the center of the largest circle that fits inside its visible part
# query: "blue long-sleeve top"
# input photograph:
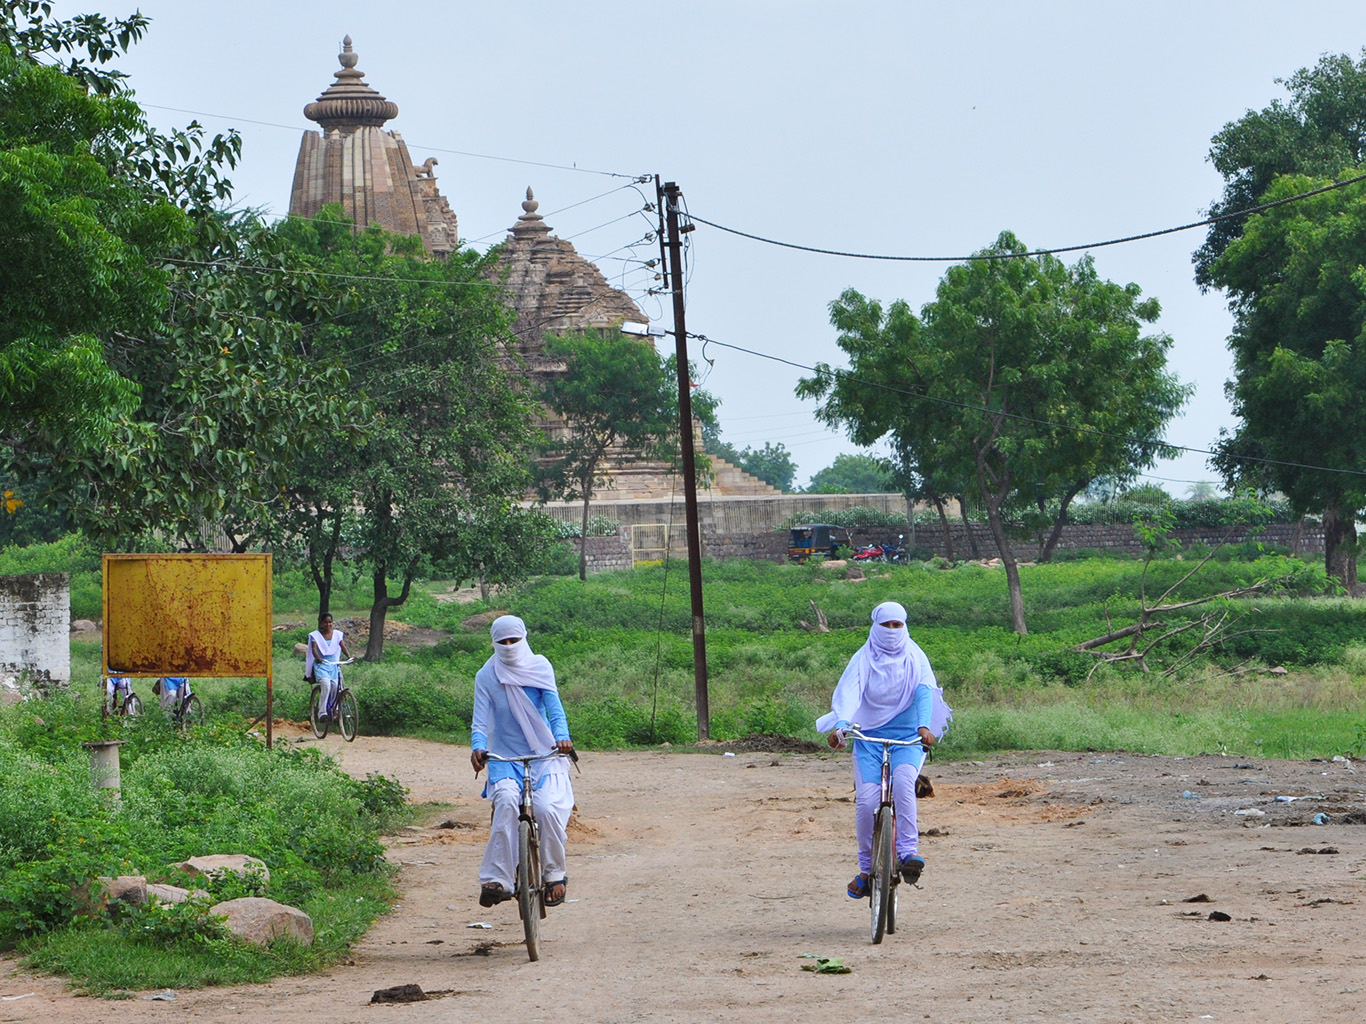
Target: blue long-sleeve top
(493, 727)
(904, 726)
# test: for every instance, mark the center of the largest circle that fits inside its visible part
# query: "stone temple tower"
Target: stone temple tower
(355, 162)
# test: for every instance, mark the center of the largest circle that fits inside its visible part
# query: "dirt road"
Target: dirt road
(1056, 891)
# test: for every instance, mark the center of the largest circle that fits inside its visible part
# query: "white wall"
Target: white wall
(35, 630)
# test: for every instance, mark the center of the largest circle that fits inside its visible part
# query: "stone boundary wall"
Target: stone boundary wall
(724, 517)
(1117, 539)
(615, 552)
(35, 630)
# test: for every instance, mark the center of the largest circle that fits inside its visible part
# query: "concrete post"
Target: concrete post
(104, 765)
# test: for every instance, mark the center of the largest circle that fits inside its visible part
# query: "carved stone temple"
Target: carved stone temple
(551, 288)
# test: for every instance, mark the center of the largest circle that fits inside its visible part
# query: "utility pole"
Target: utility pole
(669, 203)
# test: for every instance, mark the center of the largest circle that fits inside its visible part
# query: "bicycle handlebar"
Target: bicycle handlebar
(858, 734)
(530, 757)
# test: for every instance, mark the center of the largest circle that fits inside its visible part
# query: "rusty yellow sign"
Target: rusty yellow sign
(187, 615)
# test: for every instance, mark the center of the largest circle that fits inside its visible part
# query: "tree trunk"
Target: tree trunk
(998, 532)
(379, 610)
(1049, 545)
(944, 524)
(322, 571)
(1339, 545)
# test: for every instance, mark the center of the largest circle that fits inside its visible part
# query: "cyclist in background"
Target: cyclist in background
(889, 690)
(517, 712)
(168, 690)
(326, 649)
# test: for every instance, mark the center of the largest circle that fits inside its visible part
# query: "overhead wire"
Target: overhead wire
(980, 257)
(1034, 420)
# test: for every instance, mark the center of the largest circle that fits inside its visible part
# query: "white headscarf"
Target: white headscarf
(881, 678)
(515, 664)
(515, 667)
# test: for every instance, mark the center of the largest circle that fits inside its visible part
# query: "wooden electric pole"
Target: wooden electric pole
(669, 197)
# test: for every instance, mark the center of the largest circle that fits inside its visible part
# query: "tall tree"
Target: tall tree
(1295, 342)
(1298, 293)
(1319, 130)
(619, 400)
(448, 445)
(1022, 374)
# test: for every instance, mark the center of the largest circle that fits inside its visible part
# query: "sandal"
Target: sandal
(563, 883)
(492, 893)
(858, 889)
(910, 868)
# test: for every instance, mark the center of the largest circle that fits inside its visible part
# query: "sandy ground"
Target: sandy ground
(1056, 890)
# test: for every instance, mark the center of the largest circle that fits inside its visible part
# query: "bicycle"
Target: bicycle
(528, 890)
(883, 875)
(119, 698)
(188, 709)
(344, 709)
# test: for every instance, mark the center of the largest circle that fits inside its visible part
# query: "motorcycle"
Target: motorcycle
(895, 553)
(869, 553)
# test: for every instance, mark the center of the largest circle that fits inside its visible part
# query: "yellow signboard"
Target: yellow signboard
(187, 615)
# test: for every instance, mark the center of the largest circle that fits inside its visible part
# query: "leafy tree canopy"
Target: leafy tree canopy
(1024, 376)
(1320, 130)
(853, 474)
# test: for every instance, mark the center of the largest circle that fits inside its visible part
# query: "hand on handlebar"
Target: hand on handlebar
(836, 739)
(479, 758)
(565, 746)
(927, 738)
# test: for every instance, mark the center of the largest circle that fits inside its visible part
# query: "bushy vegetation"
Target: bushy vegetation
(315, 827)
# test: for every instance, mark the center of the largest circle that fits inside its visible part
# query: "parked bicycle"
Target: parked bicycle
(343, 708)
(529, 890)
(119, 698)
(883, 875)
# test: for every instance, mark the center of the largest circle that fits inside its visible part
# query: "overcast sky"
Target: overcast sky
(895, 128)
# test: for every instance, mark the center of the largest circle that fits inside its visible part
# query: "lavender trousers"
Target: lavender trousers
(867, 796)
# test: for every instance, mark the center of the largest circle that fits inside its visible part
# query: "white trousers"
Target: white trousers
(552, 803)
(867, 796)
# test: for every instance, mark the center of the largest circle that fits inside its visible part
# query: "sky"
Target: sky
(900, 128)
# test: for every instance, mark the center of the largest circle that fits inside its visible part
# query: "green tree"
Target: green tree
(444, 457)
(1202, 490)
(1023, 375)
(853, 474)
(1319, 130)
(772, 464)
(619, 401)
(1298, 293)
(1146, 494)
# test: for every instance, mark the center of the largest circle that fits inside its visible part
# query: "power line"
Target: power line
(978, 257)
(433, 149)
(845, 374)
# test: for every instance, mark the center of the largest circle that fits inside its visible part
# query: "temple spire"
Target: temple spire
(530, 222)
(349, 103)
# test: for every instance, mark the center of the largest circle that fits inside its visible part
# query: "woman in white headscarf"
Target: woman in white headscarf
(517, 712)
(888, 689)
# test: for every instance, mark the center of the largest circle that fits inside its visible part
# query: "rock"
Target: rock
(301, 649)
(130, 889)
(259, 920)
(83, 625)
(482, 621)
(834, 563)
(224, 864)
(171, 893)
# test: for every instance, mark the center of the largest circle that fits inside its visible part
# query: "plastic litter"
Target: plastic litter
(478, 924)
(1188, 795)
(164, 996)
(1320, 819)
(727, 754)
(1251, 812)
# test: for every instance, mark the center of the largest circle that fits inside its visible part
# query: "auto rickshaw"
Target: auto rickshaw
(820, 539)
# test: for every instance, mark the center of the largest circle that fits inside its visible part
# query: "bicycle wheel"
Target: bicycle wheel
(317, 720)
(530, 895)
(191, 712)
(880, 877)
(133, 705)
(347, 715)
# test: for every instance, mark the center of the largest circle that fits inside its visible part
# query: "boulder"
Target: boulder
(224, 864)
(83, 625)
(124, 889)
(259, 920)
(171, 893)
(301, 649)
